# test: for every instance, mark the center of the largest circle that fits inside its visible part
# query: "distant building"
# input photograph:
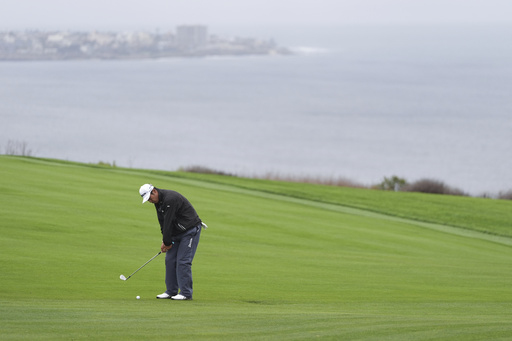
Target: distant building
(190, 37)
(189, 41)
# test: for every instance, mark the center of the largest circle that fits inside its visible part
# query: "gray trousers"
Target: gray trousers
(178, 263)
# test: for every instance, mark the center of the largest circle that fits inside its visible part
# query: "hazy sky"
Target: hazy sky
(151, 14)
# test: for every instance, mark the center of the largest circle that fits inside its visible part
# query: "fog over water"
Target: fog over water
(358, 102)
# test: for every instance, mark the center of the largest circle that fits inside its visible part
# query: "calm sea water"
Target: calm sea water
(354, 102)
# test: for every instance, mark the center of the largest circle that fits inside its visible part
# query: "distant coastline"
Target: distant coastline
(186, 41)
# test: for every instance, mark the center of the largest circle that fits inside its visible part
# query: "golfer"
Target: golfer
(181, 227)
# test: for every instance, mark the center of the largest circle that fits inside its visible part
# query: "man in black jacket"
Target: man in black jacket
(181, 227)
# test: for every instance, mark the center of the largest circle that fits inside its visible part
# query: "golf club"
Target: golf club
(143, 265)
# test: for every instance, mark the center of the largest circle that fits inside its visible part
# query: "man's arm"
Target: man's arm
(168, 223)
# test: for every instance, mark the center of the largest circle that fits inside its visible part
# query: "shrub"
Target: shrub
(433, 187)
(327, 181)
(107, 164)
(392, 184)
(505, 195)
(17, 148)
(202, 170)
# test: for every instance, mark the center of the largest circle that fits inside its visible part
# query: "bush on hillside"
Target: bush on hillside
(393, 183)
(202, 170)
(433, 187)
(327, 181)
(505, 195)
(17, 148)
(107, 164)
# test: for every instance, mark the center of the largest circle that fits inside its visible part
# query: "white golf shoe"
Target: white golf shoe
(180, 297)
(164, 295)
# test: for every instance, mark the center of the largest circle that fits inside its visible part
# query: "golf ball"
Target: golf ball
(138, 297)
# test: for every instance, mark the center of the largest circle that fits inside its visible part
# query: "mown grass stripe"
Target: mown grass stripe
(337, 208)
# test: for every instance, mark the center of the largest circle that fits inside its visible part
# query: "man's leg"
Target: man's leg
(186, 253)
(171, 281)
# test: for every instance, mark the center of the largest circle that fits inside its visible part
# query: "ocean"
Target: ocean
(354, 102)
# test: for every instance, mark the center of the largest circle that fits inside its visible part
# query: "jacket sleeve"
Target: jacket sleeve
(168, 223)
(160, 219)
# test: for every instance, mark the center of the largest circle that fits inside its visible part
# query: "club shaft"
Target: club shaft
(143, 265)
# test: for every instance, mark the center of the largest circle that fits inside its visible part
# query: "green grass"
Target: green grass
(489, 216)
(280, 260)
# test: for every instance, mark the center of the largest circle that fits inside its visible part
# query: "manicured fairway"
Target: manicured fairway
(274, 264)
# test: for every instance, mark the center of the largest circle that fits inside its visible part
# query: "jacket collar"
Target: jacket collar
(161, 196)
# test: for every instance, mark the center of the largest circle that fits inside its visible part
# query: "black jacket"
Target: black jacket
(175, 214)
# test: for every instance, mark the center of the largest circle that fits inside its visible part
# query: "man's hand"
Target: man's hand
(164, 248)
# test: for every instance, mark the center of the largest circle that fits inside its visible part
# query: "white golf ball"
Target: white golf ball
(138, 297)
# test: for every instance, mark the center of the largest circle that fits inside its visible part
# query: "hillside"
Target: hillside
(485, 215)
(280, 261)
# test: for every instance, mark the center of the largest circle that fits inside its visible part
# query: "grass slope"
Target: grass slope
(289, 263)
(484, 215)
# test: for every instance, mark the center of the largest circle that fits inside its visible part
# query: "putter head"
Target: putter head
(122, 277)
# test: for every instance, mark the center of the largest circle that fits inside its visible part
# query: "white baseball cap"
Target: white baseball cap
(145, 191)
